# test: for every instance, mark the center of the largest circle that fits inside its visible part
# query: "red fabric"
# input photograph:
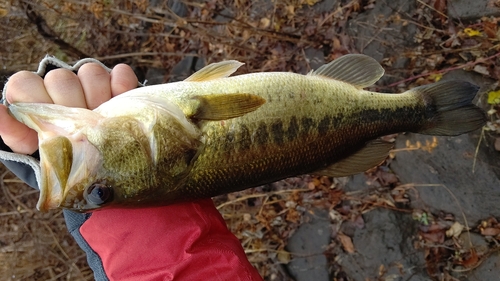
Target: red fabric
(188, 241)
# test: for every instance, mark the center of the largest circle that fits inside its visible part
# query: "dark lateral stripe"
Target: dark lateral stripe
(324, 124)
(307, 124)
(277, 132)
(261, 135)
(293, 129)
(245, 139)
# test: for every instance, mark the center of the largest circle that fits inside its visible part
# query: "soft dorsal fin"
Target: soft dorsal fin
(225, 106)
(215, 70)
(359, 70)
(368, 157)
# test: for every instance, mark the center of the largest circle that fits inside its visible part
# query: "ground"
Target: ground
(428, 213)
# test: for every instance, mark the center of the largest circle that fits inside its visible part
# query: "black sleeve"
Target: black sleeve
(21, 170)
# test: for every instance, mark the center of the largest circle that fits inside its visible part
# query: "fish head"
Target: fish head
(95, 159)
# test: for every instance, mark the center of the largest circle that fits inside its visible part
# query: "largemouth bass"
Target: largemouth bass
(213, 134)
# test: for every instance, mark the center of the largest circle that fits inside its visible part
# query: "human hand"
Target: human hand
(185, 241)
(92, 86)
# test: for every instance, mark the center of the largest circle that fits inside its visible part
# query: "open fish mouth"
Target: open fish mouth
(51, 191)
(61, 134)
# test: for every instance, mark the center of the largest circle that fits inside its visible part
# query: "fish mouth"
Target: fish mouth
(56, 161)
(51, 191)
(61, 133)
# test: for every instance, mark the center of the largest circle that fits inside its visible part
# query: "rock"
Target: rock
(448, 168)
(472, 10)
(487, 270)
(385, 241)
(381, 33)
(450, 164)
(307, 246)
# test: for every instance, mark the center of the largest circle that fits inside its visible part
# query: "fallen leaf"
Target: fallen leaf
(455, 230)
(490, 28)
(346, 242)
(436, 77)
(472, 260)
(440, 9)
(283, 257)
(494, 97)
(264, 23)
(497, 144)
(481, 69)
(490, 231)
(472, 32)
(3, 12)
(311, 2)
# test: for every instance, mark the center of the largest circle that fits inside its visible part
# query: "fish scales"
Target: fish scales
(213, 134)
(298, 130)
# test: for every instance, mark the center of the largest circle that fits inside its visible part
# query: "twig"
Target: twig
(477, 150)
(259, 195)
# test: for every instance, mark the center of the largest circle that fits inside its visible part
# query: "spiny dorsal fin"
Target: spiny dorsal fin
(359, 70)
(225, 106)
(368, 157)
(215, 70)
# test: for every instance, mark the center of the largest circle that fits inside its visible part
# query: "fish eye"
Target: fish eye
(99, 193)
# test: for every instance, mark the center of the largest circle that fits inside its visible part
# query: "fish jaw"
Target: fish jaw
(66, 156)
(56, 156)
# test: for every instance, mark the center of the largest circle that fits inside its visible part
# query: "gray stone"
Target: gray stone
(307, 246)
(449, 169)
(377, 36)
(487, 270)
(386, 240)
(325, 6)
(471, 10)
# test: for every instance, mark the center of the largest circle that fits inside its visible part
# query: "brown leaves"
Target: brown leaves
(490, 227)
(440, 7)
(346, 242)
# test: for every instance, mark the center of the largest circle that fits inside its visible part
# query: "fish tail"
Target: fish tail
(448, 108)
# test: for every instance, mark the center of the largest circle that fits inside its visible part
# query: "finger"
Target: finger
(96, 84)
(64, 88)
(122, 79)
(25, 86)
(16, 135)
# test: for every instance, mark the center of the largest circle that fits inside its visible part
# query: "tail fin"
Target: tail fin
(450, 108)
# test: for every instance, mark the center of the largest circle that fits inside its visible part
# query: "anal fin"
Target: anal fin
(367, 157)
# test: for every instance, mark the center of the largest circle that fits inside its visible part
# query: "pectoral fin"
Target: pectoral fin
(215, 70)
(359, 70)
(368, 157)
(225, 106)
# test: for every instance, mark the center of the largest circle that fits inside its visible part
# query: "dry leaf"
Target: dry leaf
(494, 97)
(472, 32)
(481, 69)
(284, 257)
(346, 242)
(490, 231)
(497, 144)
(455, 230)
(472, 260)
